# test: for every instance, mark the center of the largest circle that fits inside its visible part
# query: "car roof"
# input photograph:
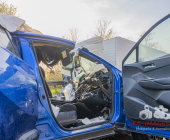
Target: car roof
(43, 37)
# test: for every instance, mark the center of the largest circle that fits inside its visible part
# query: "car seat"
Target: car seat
(67, 114)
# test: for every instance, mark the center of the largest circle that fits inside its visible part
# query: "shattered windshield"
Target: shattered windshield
(87, 65)
(84, 63)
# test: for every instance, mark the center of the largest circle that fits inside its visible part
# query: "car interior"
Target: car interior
(78, 86)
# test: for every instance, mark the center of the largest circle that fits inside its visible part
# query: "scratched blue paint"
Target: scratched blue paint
(18, 96)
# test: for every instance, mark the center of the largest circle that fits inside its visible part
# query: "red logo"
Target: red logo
(151, 123)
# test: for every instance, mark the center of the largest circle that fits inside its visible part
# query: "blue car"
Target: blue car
(51, 90)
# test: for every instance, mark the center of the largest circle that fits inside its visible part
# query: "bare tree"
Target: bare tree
(103, 29)
(66, 36)
(74, 35)
(7, 9)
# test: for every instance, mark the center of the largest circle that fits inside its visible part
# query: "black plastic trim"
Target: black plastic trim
(92, 135)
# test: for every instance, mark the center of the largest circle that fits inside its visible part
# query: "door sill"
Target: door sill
(86, 126)
(92, 134)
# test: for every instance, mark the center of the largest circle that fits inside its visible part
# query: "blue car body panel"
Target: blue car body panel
(18, 95)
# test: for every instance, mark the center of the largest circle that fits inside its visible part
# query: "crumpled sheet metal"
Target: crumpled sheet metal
(11, 23)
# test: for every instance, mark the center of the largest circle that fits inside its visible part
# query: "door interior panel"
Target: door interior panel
(161, 65)
(155, 84)
(151, 83)
(146, 83)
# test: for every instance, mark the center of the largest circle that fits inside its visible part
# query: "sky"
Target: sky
(130, 18)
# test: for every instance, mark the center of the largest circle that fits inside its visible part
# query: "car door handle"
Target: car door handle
(152, 65)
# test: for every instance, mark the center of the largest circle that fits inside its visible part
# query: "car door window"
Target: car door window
(132, 58)
(14, 44)
(6, 43)
(156, 44)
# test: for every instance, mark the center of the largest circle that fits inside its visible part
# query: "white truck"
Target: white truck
(112, 50)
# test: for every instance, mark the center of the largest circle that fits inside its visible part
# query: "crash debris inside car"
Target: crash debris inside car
(79, 87)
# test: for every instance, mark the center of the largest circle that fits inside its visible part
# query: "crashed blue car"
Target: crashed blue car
(51, 90)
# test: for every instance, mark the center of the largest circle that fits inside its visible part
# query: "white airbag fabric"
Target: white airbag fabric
(55, 110)
(94, 120)
(69, 92)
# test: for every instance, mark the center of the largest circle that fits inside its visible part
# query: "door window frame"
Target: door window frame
(136, 46)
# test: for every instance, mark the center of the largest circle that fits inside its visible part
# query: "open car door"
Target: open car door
(146, 81)
(18, 93)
